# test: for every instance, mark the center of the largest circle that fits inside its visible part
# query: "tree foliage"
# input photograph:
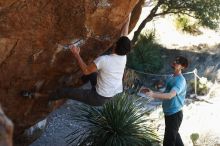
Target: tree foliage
(207, 12)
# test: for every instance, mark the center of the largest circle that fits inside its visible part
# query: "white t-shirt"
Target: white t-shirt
(110, 74)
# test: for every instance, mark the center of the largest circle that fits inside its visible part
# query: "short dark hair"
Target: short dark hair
(182, 60)
(123, 46)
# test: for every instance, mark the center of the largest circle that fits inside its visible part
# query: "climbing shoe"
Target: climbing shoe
(27, 94)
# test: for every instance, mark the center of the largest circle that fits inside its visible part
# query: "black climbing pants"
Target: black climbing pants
(92, 78)
(172, 124)
(88, 96)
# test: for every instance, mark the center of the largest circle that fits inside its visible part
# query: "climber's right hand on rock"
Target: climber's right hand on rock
(74, 49)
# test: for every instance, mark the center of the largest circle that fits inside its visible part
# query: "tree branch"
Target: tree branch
(149, 18)
(175, 12)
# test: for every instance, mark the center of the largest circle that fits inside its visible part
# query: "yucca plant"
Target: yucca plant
(120, 122)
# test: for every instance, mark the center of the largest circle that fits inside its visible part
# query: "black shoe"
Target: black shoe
(27, 94)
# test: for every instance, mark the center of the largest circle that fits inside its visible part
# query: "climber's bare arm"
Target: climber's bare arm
(86, 69)
(158, 95)
(125, 28)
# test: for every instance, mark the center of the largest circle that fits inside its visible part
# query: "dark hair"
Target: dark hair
(182, 60)
(123, 46)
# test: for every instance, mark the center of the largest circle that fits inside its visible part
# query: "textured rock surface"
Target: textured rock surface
(30, 32)
(60, 124)
(6, 130)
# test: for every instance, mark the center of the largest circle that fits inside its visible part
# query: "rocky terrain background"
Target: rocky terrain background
(30, 59)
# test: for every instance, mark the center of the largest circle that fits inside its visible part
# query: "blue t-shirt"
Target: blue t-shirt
(175, 104)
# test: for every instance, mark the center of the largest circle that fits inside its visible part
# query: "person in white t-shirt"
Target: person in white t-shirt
(110, 69)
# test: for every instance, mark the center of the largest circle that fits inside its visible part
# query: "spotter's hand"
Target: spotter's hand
(146, 91)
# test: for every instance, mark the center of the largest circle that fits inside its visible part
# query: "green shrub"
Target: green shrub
(203, 85)
(184, 24)
(119, 122)
(146, 54)
(204, 139)
(194, 137)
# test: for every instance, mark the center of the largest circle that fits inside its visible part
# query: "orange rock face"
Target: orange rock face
(30, 31)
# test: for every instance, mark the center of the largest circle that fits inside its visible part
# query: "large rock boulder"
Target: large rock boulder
(30, 58)
(6, 129)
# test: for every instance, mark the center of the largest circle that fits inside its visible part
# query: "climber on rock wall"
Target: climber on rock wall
(107, 80)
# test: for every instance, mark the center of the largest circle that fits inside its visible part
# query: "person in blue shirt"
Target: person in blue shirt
(172, 102)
